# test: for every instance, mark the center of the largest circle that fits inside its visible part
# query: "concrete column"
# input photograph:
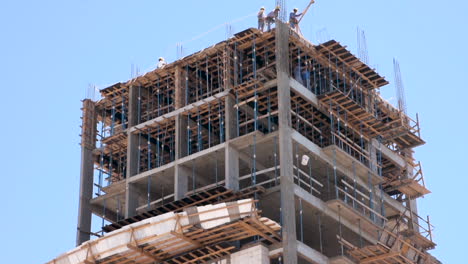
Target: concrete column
(230, 118)
(181, 120)
(132, 152)
(181, 136)
(231, 154)
(179, 77)
(231, 167)
(412, 204)
(182, 175)
(132, 144)
(285, 144)
(88, 144)
(131, 199)
(372, 156)
(227, 69)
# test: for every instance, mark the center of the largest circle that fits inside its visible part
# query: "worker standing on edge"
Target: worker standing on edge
(261, 19)
(293, 18)
(271, 17)
(161, 63)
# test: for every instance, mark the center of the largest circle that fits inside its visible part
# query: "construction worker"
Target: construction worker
(298, 74)
(293, 18)
(271, 17)
(261, 19)
(306, 74)
(161, 63)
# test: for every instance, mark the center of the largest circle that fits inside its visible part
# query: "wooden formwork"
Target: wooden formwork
(400, 182)
(391, 249)
(213, 195)
(193, 245)
(353, 97)
(198, 234)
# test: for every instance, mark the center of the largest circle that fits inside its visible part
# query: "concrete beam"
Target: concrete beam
(399, 161)
(251, 113)
(176, 112)
(109, 215)
(390, 155)
(202, 153)
(151, 172)
(318, 152)
(322, 207)
(301, 89)
(311, 254)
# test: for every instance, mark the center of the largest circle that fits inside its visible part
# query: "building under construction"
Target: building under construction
(264, 148)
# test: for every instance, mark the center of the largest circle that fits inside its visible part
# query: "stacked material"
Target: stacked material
(169, 235)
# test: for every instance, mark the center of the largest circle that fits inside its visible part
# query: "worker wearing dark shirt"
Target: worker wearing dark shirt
(293, 18)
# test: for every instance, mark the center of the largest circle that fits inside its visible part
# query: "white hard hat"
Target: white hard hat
(161, 58)
(295, 9)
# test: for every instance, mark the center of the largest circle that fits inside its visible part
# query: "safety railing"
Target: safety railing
(350, 147)
(359, 201)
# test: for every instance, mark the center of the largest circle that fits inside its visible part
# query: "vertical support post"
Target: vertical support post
(285, 145)
(227, 68)
(372, 157)
(231, 154)
(373, 169)
(181, 182)
(230, 118)
(411, 204)
(181, 174)
(320, 232)
(131, 196)
(180, 94)
(232, 167)
(88, 144)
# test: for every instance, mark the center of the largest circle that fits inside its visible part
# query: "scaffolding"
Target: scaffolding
(207, 129)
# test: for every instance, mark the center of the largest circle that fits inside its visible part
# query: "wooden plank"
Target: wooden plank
(142, 252)
(379, 257)
(181, 236)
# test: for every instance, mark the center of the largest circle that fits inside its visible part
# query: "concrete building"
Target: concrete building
(295, 130)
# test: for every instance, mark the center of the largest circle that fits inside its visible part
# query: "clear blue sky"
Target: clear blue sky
(50, 51)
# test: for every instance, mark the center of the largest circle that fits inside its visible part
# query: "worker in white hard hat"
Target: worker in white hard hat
(272, 16)
(261, 19)
(293, 18)
(161, 63)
